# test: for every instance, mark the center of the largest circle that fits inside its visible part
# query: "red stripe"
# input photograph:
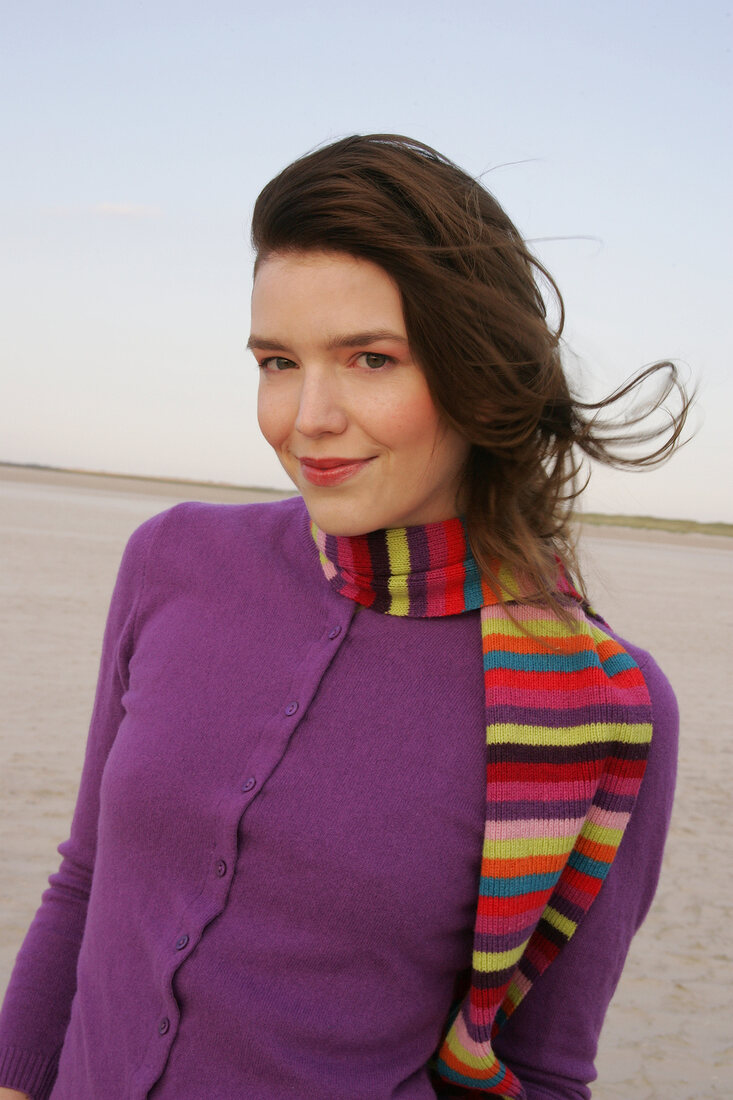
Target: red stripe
(522, 903)
(625, 769)
(553, 681)
(507, 772)
(455, 601)
(363, 563)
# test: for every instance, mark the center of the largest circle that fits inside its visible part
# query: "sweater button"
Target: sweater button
(334, 633)
(249, 784)
(291, 708)
(221, 868)
(164, 1026)
(181, 942)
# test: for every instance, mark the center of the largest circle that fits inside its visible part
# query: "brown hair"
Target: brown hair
(477, 323)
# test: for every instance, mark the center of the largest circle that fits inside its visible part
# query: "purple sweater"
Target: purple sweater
(270, 885)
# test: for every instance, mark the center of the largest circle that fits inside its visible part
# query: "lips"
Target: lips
(331, 471)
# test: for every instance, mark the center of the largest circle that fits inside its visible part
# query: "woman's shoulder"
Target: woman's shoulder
(211, 542)
(193, 524)
(665, 712)
(654, 804)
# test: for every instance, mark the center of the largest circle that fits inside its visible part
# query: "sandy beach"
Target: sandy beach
(669, 1034)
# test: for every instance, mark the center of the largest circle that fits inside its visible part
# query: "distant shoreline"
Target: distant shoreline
(226, 492)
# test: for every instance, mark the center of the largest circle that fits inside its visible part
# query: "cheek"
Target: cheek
(272, 416)
(413, 422)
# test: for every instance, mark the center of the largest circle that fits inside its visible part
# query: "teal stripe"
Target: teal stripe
(541, 662)
(618, 663)
(596, 868)
(472, 594)
(492, 887)
(482, 1084)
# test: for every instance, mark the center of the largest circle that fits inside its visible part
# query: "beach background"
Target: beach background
(669, 1031)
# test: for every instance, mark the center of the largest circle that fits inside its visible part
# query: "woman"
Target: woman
(315, 852)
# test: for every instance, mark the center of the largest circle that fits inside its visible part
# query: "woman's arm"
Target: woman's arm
(37, 1005)
(552, 1038)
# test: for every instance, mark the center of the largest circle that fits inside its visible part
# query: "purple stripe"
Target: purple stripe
(528, 810)
(417, 542)
(566, 907)
(554, 935)
(493, 941)
(618, 803)
(529, 970)
(332, 552)
(568, 754)
(558, 717)
(379, 556)
(493, 979)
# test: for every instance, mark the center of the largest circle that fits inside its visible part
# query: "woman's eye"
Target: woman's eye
(373, 360)
(276, 363)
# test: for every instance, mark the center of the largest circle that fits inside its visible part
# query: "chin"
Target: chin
(333, 520)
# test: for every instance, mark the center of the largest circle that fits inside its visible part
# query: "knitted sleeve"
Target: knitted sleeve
(551, 1040)
(37, 1004)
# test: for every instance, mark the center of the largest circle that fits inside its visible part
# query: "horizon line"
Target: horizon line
(593, 519)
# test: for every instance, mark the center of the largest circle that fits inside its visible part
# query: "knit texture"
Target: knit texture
(568, 727)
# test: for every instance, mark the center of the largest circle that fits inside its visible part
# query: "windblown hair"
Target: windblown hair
(477, 324)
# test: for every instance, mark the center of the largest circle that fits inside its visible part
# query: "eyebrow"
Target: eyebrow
(348, 340)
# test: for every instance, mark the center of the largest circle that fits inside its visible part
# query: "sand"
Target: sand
(669, 1033)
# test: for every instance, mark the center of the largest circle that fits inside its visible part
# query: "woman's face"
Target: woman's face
(341, 400)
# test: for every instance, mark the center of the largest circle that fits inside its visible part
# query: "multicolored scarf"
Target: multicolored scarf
(568, 726)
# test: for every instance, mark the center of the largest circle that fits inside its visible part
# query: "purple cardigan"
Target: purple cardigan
(270, 886)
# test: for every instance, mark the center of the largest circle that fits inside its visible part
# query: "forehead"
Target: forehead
(317, 288)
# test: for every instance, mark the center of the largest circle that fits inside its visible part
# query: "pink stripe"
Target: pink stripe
(556, 792)
(524, 828)
(519, 923)
(526, 613)
(615, 784)
(320, 538)
(329, 569)
(607, 818)
(345, 555)
(558, 699)
(478, 1050)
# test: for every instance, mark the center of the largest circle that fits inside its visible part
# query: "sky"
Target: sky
(136, 137)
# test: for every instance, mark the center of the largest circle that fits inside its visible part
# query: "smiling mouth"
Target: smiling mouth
(331, 471)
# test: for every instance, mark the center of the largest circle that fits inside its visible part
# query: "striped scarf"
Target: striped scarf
(568, 726)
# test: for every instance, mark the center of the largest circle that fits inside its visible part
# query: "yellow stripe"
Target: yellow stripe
(557, 920)
(497, 960)
(600, 635)
(599, 834)
(399, 567)
(513, 993)
(507, 582)
(545, 628)
(520, 847)
(473, 1061)
(510, 734)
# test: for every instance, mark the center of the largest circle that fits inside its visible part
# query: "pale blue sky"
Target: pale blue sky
(137, 136)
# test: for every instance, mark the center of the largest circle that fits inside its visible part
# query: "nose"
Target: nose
(321, 409)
